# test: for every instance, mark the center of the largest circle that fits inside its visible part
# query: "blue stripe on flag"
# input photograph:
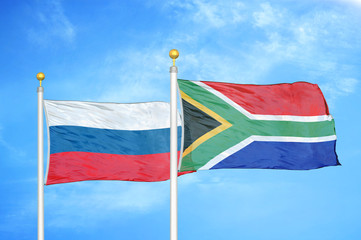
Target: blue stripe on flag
(126, 142)
(283, 155)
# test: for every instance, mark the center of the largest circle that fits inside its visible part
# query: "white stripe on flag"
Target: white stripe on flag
(134, 116)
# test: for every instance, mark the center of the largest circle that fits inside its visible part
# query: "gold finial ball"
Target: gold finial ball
(173, 53)
(40, 76)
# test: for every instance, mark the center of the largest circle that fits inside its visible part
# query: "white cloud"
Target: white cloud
(209, 66)
(353, 2)
(348, 85)
(53, 24)
(283, 37)
(132, 76)
(338, 87)
(218, 15)
(286, 38)
(268, 16)
(215, 14)
(306, 41)
(304, 34)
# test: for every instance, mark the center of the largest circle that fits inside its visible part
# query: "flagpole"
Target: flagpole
(173, 148)
(40, 76)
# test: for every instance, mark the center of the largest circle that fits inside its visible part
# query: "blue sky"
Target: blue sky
(118, 51)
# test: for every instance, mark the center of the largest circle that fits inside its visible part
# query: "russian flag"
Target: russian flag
(108, 141)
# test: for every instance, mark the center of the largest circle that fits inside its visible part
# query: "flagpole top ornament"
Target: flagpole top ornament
(40, 76)
(173, 54)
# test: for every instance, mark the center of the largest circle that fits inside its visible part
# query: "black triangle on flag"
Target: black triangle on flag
(196, 123)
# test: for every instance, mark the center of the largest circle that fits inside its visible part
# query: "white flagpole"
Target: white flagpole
(173, 148)
(40, 76)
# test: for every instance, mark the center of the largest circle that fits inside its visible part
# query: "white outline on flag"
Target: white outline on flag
(220, 157)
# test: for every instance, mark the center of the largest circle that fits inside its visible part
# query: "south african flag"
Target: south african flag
(280, 126)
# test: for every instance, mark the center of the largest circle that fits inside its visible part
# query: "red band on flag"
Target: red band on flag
(298, 99)
(80, 166)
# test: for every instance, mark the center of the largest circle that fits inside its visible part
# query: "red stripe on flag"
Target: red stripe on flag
(298, 99)
(81, 166)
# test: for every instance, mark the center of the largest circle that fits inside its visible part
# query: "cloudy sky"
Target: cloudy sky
(117, 51)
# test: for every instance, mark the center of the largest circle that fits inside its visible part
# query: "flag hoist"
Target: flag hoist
(40, 76)
(173, 148)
